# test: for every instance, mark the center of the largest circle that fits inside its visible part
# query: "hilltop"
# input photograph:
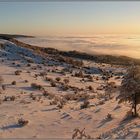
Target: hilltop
(47, 93)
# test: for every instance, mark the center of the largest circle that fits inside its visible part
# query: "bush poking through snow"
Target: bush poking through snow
(36, 86)
(26, 81)
(57, 79)
(61, 103)
(109, 116)
(66, 81)
(85, 104)
(14, 83)
(22, 122)
(9, 98)
(43, 74)
(54, 102)
(17, 72)
(3, 87)
(28, 65)
(45, 93)
(79, 74)
(48, 79)
(90, 78)
(76, 97)
(1, 80)
(90, 88)
(80, 134)
(53, 84)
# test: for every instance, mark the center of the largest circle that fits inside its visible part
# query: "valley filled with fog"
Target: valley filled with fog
(126, 45)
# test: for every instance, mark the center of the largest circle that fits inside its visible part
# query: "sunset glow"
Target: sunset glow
(70, 18)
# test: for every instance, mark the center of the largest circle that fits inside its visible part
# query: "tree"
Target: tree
(130, 88)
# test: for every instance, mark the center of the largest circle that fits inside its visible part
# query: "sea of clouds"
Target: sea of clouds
(126, 45)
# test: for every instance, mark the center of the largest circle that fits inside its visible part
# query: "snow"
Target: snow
(49, 121)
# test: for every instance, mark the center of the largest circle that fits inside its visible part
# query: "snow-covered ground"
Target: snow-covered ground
(53, 108)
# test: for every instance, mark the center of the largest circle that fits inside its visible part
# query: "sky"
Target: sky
(70, 18)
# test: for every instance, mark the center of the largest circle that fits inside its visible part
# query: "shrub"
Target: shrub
(85, 104)
(18, 72)
(30, 60)
(60, 106)
(48, 79)
(12, 98)
(79, 74)
(22, 122)
(3, 87)
(112, 84)
(18, 65)
(66, 81)
(13, 83)
(1, 80)
(51, 96)
(101, 87)
(90, 78)
(53, 84)
(26, 81)
(90, 88)
(80, 134)
(45, 93)
(33, 97)
(97, 78)
(64, 87)
(61, 103)
(28, 65)
(58, 79)
(36, 86)
(118, 77)
(109, 116)
(42, 74)
(77, 97)
(54, 102)
(9, 98)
